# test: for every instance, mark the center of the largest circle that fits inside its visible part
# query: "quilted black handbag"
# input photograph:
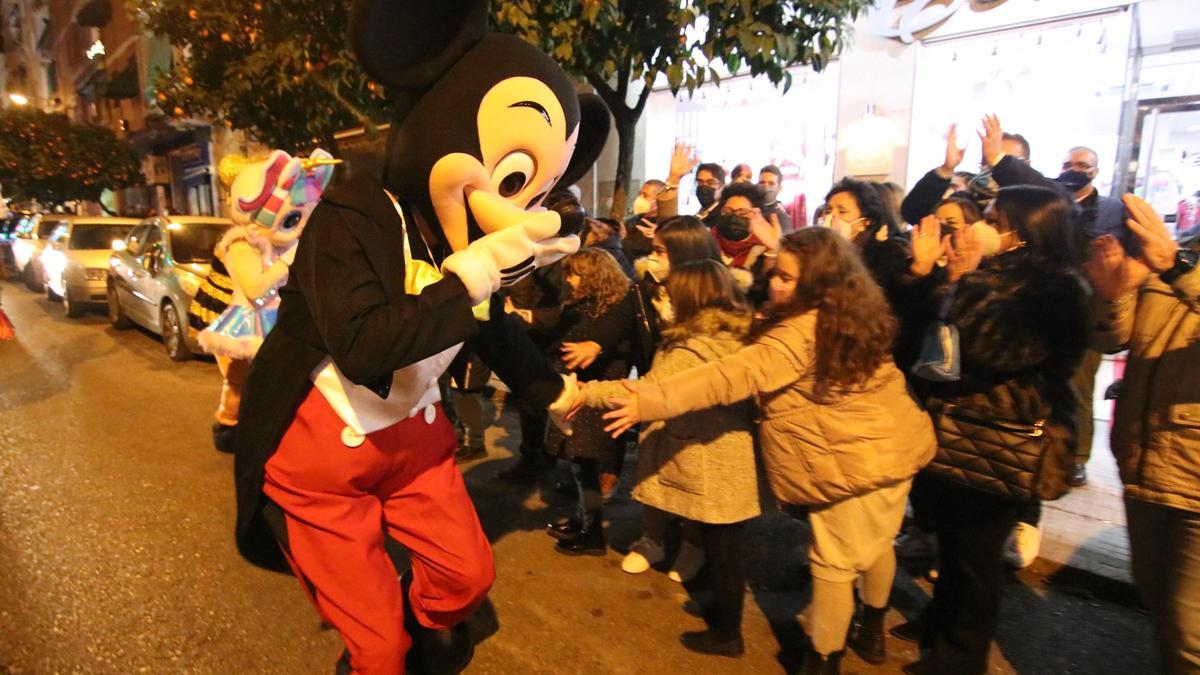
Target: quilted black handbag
(1000, 457)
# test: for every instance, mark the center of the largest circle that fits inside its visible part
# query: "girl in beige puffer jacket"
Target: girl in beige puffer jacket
(839, 432)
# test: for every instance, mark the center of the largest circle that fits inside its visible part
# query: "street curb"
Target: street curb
(1082, 582)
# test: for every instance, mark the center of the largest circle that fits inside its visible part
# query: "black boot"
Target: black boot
(564, 528)
(713, 643)
(222, 435)
(867, 640)
(820, 664)
(589, 541)
(434, 652)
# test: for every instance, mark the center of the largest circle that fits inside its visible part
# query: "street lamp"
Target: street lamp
(18, 99)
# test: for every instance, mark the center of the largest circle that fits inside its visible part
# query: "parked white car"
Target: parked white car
(30, 238)
(75, 261)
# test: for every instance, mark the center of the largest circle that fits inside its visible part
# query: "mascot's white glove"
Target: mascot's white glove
(505, 257)
(565, 404)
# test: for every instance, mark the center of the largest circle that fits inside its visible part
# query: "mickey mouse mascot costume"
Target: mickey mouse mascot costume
(342, 443)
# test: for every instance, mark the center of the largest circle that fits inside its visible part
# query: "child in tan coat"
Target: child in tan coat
(700, 466)
(840, 433)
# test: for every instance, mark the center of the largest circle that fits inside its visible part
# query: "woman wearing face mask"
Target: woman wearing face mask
(838, 429)
(731, 225)
(1022, 322)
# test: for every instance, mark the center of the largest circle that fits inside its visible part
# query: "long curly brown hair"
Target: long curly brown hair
(855, 325)
(602, 284)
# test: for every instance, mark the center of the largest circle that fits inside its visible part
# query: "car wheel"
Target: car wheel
(174, 334)
(31, 278)
(116, 315)
(71, 308)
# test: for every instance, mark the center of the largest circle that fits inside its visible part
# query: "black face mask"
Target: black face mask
(733, 228)
(706, 194)
(1074, 180)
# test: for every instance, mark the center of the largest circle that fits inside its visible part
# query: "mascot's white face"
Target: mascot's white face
(521, 128)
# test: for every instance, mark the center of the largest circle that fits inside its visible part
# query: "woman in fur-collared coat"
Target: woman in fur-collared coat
(1022, 322)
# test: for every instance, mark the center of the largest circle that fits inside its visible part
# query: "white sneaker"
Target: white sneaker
(916, 544)
(1022, 547)
(641, 556)
(687, 564)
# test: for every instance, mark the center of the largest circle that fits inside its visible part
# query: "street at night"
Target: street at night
(117, 555)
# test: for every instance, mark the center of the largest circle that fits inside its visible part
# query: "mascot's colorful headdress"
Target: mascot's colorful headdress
(262, 188)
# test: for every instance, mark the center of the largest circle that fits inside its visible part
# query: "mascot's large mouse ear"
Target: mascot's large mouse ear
(409, 44)
(594, 122)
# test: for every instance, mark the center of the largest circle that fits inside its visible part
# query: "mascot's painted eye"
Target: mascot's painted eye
(291, 221)
(513, 173)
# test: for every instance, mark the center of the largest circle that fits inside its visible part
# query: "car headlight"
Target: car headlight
(190, 283)
(95, 273)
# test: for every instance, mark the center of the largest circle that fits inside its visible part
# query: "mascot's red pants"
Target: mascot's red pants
(338, 500)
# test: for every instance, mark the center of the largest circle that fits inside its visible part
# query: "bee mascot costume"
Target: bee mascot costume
(343, 443)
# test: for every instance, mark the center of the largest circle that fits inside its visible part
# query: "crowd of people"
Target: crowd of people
(930, 353)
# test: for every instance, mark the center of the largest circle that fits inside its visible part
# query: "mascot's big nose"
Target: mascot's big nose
(570, 211)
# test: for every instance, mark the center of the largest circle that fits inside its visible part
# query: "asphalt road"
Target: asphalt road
(116, 551)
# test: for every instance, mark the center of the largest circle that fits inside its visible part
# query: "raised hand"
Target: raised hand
(770, 233)
(992, 138)
(647, 228)
(926, 245)
(954, 154)
(1158, 247)
(683, 160)
(1112, 273)
(964, 254)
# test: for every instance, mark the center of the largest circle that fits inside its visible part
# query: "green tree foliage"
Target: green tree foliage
(46, 157)
(616, 43)
(279, 69)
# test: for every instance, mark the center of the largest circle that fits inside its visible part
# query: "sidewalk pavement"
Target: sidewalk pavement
(1084, 541)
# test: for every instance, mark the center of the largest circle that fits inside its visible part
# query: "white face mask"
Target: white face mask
(988, 238)
(657, 268)
(641, 206)
(846, 229)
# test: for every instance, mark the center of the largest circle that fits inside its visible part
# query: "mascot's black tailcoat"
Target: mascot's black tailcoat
(345, 296)
(348, 281)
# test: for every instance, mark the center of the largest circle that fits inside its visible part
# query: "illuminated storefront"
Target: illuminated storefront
(1118, 76)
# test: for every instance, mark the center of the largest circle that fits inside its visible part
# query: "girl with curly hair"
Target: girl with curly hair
(595, 335)
(840, 433)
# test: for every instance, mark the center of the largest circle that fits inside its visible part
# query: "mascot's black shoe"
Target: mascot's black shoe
(434, 652)
(222, 435)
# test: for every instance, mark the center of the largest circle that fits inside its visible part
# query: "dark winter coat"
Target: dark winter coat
(613, 330)
(1023, 326)
(345, 299)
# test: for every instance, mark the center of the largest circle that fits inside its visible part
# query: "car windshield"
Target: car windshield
(46, 227)
(96, 237)
(194, 242)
